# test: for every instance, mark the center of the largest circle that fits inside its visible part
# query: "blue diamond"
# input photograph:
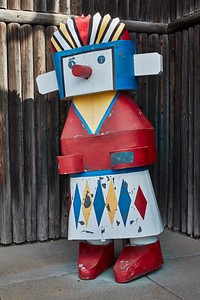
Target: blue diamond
(99, 203)
(124, 202)
(77, 205)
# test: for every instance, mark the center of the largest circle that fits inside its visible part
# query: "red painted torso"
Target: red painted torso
(125, 129)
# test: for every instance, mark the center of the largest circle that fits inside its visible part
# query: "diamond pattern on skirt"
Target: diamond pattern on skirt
(77, 204)
(141, 202)
(111, 202)
(124, 201)
(99, 203)
(87, 203)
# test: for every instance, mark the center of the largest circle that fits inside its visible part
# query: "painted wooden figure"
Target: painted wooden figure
(107, 145)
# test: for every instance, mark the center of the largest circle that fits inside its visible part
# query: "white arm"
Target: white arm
(148, 64)
(47, 83)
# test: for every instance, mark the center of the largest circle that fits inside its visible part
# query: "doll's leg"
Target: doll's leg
(142, 256)
(100, 242)
(95, 256)
(143, 241)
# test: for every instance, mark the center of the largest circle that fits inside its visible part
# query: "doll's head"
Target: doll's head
(93, 55)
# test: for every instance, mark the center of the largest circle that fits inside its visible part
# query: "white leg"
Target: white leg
(143, 241)
(100, 242)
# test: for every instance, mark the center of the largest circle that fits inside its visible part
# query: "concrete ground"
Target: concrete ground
(49, 271)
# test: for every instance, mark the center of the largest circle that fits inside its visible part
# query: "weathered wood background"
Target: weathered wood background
(33, 198)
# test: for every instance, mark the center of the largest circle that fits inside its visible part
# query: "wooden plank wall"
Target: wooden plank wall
(33, 198)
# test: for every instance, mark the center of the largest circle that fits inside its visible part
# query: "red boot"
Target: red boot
(136, 261)
(94, 259)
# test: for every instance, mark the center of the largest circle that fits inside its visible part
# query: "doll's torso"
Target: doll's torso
(101, 125)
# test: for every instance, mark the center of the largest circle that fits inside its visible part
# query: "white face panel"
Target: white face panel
(100, 61)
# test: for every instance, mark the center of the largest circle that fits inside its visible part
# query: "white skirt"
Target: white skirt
(113, 205)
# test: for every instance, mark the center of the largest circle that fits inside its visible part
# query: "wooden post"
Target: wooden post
(196, 131)
(153, 86)
(145, 10)
(179, 8)
(177, 134)
(14, 4)
(29, 131)
(171, 128)
(5, 184)
(16, 133)
(41, 136)
(53, 147)
(40, 5)
(53, 6)
(163, 131)
(76, 7)
(142, 93)
(123, 9)
(101, 6)
(172, 10)
(190, 216)
(65, 200)
(112, 7)
(87, 7)
(184, 130)
(186, 7)
(155, 11)
(27, 5)
(134, 10)
(65, 7)
(3, 3)
(191, 7)
(165, 11)
(196, 5)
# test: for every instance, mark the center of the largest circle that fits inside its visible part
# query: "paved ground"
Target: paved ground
(49, 271)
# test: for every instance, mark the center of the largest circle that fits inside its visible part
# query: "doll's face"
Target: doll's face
(95, 68)
(88, 72)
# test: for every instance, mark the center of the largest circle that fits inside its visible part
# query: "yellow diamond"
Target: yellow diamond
(87, 203)
(111, 202)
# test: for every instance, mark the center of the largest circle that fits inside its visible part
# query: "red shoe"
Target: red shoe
(94, 259)
(136, 261)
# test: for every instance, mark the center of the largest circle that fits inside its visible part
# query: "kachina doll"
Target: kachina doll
(107, 145)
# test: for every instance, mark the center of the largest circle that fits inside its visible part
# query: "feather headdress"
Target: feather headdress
(82, 31)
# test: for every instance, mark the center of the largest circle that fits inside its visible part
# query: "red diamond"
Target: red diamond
(141, 202)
